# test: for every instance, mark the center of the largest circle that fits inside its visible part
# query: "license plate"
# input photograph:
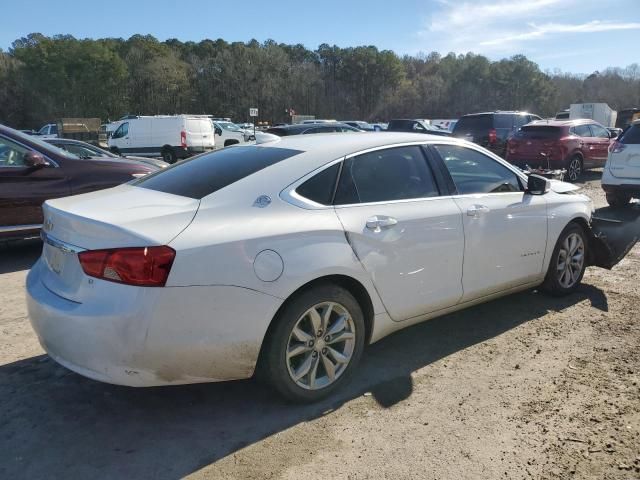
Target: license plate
(55, 259)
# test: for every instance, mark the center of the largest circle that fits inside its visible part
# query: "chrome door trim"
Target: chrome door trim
(19, 228)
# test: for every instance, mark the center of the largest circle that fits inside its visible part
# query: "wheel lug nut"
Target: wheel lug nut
(310, 343)
(319, 333)
(314, 354)
(327, 338)
(324, 351)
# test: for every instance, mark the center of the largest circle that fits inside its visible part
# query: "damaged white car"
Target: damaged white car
(289, 257)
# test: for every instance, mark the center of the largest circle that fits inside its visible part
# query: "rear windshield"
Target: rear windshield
(474, 123)
(208, 173)
(631, 136)
(539, 132)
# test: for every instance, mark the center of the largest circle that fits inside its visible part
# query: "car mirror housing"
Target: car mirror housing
(538, 185)
(35, 160)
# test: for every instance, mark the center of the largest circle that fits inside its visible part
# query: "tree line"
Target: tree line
(44, 78)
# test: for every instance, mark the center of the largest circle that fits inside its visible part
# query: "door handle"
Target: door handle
(477, 210)
(380, 222)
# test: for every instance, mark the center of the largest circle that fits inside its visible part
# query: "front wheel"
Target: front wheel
(568, 261)
(315, 344)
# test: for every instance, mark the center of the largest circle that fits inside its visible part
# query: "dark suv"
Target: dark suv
(491, 129)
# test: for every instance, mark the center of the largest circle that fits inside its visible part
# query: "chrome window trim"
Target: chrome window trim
(19, 228)
(64, 246)
(290, 195)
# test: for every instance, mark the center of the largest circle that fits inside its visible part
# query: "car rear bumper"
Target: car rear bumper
(152, 336)
(613, 184)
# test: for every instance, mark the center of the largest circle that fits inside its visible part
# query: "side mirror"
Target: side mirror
(537, 185)
(34, 160)
(613, 134)
(218, 131)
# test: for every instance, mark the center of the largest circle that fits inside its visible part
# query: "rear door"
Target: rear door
(199, 133)
(600, 142)
(586, 144)
(408, 237)
(505, 229)
(23, 189)
(625, 163)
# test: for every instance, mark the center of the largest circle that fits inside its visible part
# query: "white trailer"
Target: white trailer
(600, 112)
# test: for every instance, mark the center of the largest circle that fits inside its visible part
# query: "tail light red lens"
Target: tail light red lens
(183, 139)
(493, 136)
(616, 147)
(140, 266)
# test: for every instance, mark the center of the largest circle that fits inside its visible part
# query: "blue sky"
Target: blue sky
(577, 36)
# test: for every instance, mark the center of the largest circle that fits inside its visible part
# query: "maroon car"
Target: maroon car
(32, 171)
(574, 145)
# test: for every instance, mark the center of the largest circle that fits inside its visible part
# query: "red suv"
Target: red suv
(574, 145)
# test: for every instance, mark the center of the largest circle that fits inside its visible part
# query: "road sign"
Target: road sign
(253, 112)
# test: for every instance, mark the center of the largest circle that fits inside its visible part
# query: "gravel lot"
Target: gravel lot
(527, 386)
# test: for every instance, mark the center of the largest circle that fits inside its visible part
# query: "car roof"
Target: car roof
(498, 112)
(564, 123)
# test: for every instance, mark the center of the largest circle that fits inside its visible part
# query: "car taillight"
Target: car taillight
(140, 266)
(616, 147)
(183, 139)
(493, 136)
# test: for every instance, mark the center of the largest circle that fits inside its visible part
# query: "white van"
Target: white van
(169, 136)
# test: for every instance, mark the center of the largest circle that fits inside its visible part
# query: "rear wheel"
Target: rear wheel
(315, 345)
(568, 261)
(574, 168)
(617, 199)
(169, 155)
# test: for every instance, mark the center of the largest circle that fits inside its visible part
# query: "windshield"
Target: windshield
(47, 147)
(229, 126)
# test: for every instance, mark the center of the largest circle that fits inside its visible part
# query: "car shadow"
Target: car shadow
(19, 255)
(57, 424)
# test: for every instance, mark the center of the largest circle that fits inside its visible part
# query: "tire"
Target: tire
(228, 143)
(169, 155)
(574, 168)
(561, 281)
(617, 200)
(313, 351)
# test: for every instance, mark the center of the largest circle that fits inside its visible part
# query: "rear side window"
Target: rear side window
(504, 121)
(582, 130)
(539, 132)
(205, 174)
(474, 123)
(384, 176)
(631, 136)
(320, 187)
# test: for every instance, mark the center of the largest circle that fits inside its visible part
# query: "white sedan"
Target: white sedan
(287, 258)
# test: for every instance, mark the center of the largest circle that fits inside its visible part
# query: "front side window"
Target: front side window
(80, 151)
(11, 153)
(384, 176)
(599, 131)
(473, 172)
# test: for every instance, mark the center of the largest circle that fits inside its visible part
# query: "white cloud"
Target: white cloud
(537, 32)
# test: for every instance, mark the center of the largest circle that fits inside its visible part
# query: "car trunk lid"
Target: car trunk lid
(125, 216)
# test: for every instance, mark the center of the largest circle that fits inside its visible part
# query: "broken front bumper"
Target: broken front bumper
(614, 231)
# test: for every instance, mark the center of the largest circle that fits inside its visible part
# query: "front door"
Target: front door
(408, 238)
(24, 189)
(601, 141)
(505, 229)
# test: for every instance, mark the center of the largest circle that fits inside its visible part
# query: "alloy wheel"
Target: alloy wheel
(570, 260)
(321, 345)
(575, 169)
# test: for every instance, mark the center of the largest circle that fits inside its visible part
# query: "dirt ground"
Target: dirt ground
(527, 386)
